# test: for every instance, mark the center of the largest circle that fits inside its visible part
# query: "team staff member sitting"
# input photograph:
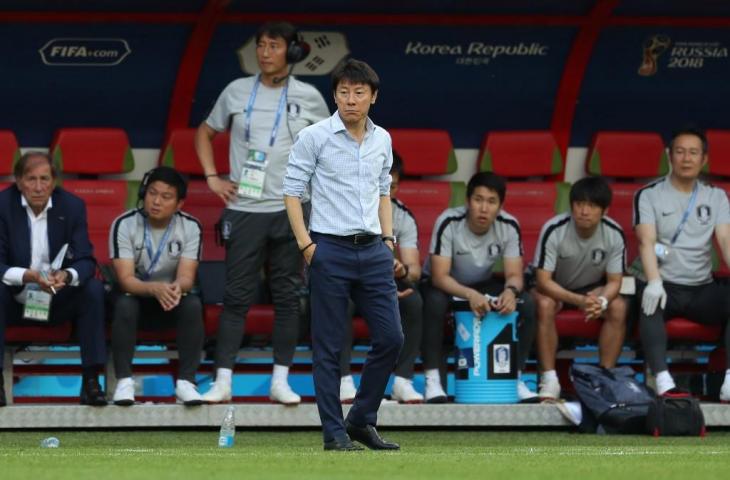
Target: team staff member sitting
(36, 221)
(466, 243)
(155, 252)
(579, 261)
(675, 219)
(264, 113)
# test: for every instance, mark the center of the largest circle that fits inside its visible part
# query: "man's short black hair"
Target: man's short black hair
(490, 180)
(593, 190)
(23, 163)
(285, 30)
(355, 71)
(397, 166)
(689, 130)
(171, 177)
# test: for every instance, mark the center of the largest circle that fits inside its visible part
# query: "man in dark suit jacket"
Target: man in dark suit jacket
(36, 220)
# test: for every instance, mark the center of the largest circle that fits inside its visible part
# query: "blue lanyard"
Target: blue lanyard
(685, 215)
(279, 111)
(155, 258)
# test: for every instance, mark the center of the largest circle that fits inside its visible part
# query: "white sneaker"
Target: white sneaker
(281, 392)
(523, 392)
(549, 388)
(187, 393)
(347, 389)
(435, 392)
(404, 392)
(124, 393)
(725, 391)
(219, 392)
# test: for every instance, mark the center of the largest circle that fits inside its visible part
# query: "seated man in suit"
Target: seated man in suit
(466, 244)
(155, 252)
(37, 221)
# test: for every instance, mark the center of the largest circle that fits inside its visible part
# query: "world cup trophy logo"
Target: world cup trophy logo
(653, 48)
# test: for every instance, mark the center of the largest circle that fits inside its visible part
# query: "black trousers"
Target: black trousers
(254, 238)
(130, 312)
(708, 304)
(83, 305)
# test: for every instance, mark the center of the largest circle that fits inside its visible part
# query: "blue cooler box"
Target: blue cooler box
(486, 367)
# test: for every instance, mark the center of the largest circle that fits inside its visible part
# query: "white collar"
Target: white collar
(25, 204)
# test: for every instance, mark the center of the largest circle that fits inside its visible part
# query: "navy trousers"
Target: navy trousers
(339, 271)
(83, 305)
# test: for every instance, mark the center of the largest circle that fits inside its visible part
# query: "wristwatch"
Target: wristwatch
(391, 238)
(514, 290)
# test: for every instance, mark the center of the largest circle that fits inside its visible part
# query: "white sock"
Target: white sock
(279, 374)
(664, 382)
(727, 375)
(549, 375)
(223, 375)
(433, 375)
(347, 379)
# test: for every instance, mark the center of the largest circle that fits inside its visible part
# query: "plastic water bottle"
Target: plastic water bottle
(50, 442)
(228, 428)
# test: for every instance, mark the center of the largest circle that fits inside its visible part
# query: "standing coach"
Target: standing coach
(346, 160)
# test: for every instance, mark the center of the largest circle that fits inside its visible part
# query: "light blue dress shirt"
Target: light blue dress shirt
(346, 179)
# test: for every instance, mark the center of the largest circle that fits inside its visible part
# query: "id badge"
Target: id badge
(37, 304)
(251, 184)
(256, 158)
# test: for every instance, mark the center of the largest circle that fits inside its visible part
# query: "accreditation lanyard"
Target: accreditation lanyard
(685, 215)
(279, 111)
(155, 257)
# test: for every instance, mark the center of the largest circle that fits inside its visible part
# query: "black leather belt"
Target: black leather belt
(357, 239)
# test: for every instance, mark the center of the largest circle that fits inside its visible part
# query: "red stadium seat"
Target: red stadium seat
(97, 151)
(424, 152)
(521, 154)
(571, 322)
(39, 334)
(9, 152)
(683, 329)
(179, 152)
(105, 200)
(627, 155)
(718, 142)
(534, 203)
(427, 200)
(207, 208)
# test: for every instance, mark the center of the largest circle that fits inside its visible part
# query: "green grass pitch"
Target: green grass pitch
(443, 455)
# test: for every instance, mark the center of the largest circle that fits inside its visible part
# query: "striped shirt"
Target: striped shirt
(346, 179)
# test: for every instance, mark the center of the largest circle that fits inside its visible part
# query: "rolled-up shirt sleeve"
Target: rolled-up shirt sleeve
(299, 170)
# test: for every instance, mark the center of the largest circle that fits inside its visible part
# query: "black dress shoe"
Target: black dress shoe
(91, 392)
(369, 437)
(342, 444)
